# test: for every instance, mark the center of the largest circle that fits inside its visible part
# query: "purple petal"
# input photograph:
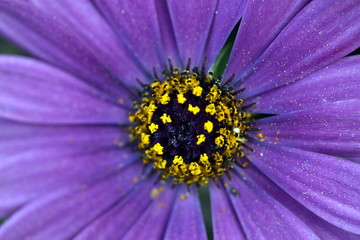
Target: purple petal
(226, 225)
(339, 81)
(355, 159)
(117, 221)
(186, 221)
(61, 214)
(191, 23)
(323, 32)
(262, 216)
(227, 15)
(325, 185)
(154, 219)
(167, 33)
(59, 33)
(137, 25)
(35, 92)
(322, 228)
(332, 128)
(38, 159)
(261, 24)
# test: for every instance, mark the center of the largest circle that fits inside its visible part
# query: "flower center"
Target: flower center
(189, 126)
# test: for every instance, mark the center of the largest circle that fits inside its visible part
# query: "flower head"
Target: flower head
(126, 114)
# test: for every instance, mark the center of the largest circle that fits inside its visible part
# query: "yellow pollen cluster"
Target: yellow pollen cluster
(218, 133)
(153, 127)
(200, 139)
(165, 118)
(181, 99)
(197, 91)
(208, 126)
(195, 110)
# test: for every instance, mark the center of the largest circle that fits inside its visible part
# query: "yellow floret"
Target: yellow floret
(194, 168)
(197, 91)
(145, 138)
(200, 139)
(151, 108)
(158, 148)
(181, 99)
(219, 141)
(178, 160)
(210, 109)
(160, 164)
(195, 110)
(165, 99)
(208, 126)
(153, 127)
(165, 118)
(204, 159)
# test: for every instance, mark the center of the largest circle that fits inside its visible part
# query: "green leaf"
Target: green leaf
(2, 221)
(223, 58)
(7, 47)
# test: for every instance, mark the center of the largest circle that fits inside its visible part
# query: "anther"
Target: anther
(165, 118)
(208, 126)
(200, 139)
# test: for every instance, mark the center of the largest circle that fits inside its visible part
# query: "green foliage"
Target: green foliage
(223, 57)
(204, 196)
(7, 47)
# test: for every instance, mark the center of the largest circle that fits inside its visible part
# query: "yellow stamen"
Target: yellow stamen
(152, 107)
(197, 91)
(155, 84)
(181, 99)
(195, 110)
(210, 109)
(194, 168)
(219, 141)
(200, 139)
(158, 148)
(204, 159)
(213, 95)
(208, 126)
(160, 164)
(165, 118)
(145, 138)
(153, 127)
(218, 158)
(165, 99)
(132, 118)
(178, 160)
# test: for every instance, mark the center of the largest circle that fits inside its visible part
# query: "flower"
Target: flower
(68, 169)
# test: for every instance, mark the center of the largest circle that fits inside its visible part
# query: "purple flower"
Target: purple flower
(72, 163)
